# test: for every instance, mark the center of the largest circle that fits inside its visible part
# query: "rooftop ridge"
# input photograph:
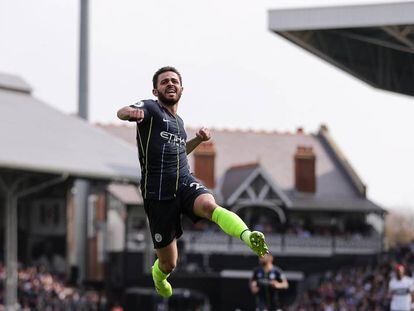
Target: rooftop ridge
(14, 83)
(299, 130)
(356, 181)
(244, 165)
(114, 124)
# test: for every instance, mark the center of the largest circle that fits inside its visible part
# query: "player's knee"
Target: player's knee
(208, 207)
(167, 266)
(205, 205)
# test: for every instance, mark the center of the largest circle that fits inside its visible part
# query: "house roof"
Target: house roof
(238, 153)
(234, 176)
(251, 180)
(38, 138)
(304, 202)
(373, 42)
(275, 153)
(127, 194)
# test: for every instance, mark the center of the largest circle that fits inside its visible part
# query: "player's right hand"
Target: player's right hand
(136, 115)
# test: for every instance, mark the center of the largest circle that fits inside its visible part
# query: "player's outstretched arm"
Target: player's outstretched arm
(203, 134)
(280, 285)
(254, 288)
(192, 144)
(130, 114)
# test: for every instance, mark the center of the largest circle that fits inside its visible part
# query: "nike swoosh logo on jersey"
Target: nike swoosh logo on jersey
(165, 120)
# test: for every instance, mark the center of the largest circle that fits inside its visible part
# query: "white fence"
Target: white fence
(217, 242)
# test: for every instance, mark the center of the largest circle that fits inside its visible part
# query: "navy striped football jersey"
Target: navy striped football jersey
(161, 142)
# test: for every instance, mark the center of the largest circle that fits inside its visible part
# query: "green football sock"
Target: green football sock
(162, 286)
(157, 273)
(230, 223)
(233, 225)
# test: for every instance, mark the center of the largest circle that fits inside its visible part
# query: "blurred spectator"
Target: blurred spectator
(401, 288)
(45, 255)
(267, 280)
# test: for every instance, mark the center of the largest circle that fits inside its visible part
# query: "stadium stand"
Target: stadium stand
(355, 288)
(41, 290)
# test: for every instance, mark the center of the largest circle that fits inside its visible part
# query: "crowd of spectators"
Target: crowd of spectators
(357, 288)
(38, 289)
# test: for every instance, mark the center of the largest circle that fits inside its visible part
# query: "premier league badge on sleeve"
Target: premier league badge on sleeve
(139, 104)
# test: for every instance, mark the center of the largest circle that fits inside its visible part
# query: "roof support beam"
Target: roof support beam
(8, 187)
(10, 251)
(406, 30)
(368, 39)
(400, 34)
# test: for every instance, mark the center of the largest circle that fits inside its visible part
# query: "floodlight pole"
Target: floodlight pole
(83, 109)
(82, 186)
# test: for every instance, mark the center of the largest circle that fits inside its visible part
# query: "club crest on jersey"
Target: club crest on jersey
(173, 138)
(158, 237)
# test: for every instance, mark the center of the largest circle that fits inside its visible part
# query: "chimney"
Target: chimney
(204, 156)
(305, 173)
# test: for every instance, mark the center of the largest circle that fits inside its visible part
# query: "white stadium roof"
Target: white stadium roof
(35, 137)
(373, 42)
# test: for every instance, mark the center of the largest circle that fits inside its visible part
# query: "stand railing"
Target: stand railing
(282, 244)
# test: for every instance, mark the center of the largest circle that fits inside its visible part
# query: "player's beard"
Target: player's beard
(169, 101)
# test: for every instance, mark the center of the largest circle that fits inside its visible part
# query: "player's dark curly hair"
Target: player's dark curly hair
(162, 70)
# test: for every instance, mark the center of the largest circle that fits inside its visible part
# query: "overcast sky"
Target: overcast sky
(236, 74)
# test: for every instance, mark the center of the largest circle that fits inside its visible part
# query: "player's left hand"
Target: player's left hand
(204, 134)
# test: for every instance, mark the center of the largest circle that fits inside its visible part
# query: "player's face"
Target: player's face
(400, 271)
(169, 88)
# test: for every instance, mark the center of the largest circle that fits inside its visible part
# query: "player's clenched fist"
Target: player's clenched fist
(136, 115)
(204, 134)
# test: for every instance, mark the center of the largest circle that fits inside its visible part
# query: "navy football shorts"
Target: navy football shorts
(164, 216)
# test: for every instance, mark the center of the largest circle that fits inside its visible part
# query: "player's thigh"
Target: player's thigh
(167, 256)
(194, 198)
(164, 220)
